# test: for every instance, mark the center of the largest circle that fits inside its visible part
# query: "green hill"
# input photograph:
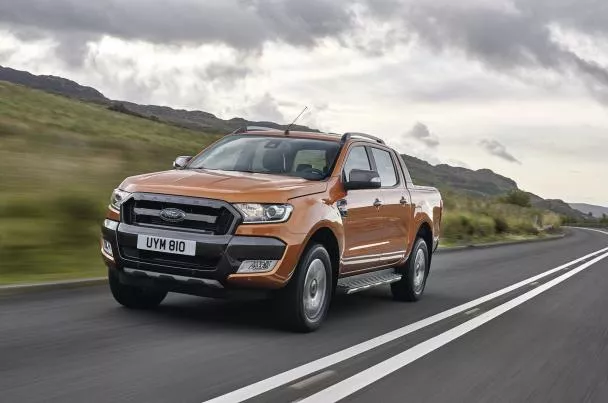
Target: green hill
(59, 161)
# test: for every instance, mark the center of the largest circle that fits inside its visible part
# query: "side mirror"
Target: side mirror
(181, 162)
(362, 179)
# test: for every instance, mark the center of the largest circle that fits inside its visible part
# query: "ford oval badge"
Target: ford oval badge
(172, 215)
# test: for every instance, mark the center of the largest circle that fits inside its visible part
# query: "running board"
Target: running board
(360, 282)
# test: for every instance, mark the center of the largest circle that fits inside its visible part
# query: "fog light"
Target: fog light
(257, 266)
(107, 248)
(110, 224)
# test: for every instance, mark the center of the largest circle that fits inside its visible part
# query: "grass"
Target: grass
(60, 160)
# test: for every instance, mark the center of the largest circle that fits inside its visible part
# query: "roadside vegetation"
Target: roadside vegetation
(60, 159)
(469, 220)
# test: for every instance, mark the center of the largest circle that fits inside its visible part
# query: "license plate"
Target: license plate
(166, 245)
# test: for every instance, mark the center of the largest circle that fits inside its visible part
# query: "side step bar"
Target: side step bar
(360, 282)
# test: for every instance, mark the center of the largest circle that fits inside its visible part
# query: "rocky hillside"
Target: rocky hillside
(595, 211)
(195, 120)
(52, 84)
(483, 182)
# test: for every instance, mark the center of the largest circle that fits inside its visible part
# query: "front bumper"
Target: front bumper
(217, 258)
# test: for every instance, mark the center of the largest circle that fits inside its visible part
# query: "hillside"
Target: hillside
(483, 182)
(195, 120)
(596, 211)
(52, 84)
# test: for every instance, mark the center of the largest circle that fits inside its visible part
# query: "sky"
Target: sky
(516, 86)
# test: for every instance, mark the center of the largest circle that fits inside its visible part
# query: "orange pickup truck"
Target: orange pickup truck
(298, 216)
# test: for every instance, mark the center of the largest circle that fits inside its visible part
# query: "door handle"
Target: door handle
(403, 201)
(377, 203)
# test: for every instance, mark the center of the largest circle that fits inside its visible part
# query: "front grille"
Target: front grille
(204, 216)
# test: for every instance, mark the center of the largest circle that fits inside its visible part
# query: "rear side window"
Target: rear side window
(357, 159)
(385, 167)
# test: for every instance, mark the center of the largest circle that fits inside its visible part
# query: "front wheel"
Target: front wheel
(134, 297)
(415, 271)
(305, 300)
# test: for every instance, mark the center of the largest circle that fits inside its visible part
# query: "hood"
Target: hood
(224, 185)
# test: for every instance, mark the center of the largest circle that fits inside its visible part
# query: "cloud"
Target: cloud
(509, 36)
(267, 109)
(497, 149)
(422, 133)
(242, 24)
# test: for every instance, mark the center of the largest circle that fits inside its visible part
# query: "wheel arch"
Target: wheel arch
(325, 236)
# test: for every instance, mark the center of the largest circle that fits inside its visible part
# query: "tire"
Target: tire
(304, 302)
(134, 297)
(415, 272)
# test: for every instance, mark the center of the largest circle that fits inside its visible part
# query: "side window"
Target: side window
(385, 167)
(357, 159)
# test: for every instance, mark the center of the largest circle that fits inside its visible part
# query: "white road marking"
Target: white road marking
(365, 378)
(265, 385)
(472, 311)
(592, 229)
(534, 284)
(312, 380)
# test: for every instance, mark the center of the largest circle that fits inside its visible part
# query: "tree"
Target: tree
(604, 219)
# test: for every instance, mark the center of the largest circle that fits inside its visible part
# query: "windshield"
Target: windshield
(305, 158)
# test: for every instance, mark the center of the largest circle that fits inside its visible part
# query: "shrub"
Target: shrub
(501, 226)
(517, 198)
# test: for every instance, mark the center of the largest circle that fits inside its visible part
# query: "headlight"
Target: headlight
(264, 213)
(118, 198)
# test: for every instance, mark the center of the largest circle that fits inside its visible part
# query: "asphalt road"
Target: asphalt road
(544, 340)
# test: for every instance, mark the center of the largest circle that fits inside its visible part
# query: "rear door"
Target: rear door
(395, 204)
(364, 225)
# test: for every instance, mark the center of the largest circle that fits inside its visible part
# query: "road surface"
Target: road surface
(518, 323)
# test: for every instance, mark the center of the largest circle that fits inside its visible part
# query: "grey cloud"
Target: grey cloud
(242, 24)
(267, 109)
(225, 71)
(422, 133)
(497, 149)
(507, 36)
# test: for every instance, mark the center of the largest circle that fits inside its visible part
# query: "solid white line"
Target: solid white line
(265, 385)
(592, 229)
(312, 380)
(365, 378)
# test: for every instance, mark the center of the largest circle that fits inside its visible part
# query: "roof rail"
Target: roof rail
(246, 129)
(350, 135)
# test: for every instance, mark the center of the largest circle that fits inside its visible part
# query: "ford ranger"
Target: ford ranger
(295, 215)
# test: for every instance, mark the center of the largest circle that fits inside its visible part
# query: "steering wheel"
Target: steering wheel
(315, 171)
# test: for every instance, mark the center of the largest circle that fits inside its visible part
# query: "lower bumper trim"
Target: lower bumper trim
(185, 279)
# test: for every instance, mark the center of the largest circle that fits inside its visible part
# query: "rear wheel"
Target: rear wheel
(415, 271)
(135, 297)
(305, 300)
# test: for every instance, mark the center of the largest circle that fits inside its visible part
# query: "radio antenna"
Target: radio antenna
(295, 120)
